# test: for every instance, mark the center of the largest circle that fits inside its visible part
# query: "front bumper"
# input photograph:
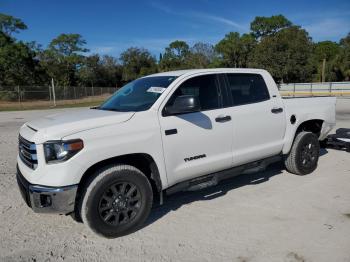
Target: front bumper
(44, 199)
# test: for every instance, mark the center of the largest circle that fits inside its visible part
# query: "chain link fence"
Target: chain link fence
(33, 97)
(341, 89)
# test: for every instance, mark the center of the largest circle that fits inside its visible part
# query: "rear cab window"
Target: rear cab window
(247, 88)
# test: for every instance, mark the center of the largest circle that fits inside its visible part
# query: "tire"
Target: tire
(303, 156)
(117, 201)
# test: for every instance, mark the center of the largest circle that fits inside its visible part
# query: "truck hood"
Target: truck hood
(57, 126)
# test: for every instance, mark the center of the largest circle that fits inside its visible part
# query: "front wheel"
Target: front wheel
(303, 156)
(117, 201)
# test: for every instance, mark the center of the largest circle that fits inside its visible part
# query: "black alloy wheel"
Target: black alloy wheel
(309, 154)
(120, 203)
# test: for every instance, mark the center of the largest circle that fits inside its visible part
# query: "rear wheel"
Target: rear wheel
(117, 201)
(303, 157)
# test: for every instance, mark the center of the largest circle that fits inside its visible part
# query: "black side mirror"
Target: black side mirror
(184, 104)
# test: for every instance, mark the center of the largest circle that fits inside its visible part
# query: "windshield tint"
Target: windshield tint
(138, 95)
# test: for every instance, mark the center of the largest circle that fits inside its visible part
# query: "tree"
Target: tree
(234, 49)
(112, 71)
(264, 26)
(18, 60)
(286, 55)
(178, 48)
(137, 62)
(324, 51)
(18, 63)
(247, 43)
(100, 71)
(88, 72)
(175, 56)
(63, 58)
(10, 24)
(229, 49)
(341, 65)
(201, 55)
(68, 45)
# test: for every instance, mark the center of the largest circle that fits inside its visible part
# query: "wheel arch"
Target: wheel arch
(309, 125)
(142, 161)
(312, 125)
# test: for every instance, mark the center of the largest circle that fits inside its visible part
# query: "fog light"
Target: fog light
(45, 200)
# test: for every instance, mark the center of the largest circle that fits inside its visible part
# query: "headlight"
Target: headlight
(59, 151)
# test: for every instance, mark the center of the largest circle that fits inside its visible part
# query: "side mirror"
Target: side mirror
(184, 104)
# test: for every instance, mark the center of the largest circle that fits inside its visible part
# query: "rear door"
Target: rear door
(258, 119)
(197, 143)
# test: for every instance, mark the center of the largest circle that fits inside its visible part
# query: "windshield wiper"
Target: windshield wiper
(106, 109)
(111, 109)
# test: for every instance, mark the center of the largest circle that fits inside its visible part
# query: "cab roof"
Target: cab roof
(210, 70)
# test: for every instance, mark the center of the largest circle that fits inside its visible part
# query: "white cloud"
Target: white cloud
(328, 29)
(320, 14)
(163, 8)
(220, 19)
(200, 15)
(331, 24)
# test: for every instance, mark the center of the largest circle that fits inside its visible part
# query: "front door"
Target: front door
(197, 143)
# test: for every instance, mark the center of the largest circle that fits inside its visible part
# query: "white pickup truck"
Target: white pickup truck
(165, 133)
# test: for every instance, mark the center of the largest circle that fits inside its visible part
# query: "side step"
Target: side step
(213, 179)
(202, 182)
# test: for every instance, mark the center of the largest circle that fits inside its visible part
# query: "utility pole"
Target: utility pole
(50, 94)
(323, 70)
(53, 92)
(19, 96)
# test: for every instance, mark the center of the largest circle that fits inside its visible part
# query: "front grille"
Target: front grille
(27, 152)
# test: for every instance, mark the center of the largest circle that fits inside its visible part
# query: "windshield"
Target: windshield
(138, 95)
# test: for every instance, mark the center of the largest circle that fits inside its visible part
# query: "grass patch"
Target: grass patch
(34, 105)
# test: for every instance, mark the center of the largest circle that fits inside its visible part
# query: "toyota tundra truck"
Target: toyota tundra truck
(164, 133)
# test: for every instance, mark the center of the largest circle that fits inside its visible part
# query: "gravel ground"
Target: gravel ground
(268, 216)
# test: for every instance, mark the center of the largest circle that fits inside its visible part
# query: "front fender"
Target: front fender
(141, 134)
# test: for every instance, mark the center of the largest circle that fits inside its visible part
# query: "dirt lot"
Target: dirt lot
(268, 216)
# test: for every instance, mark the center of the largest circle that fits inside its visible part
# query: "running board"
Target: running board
(214, 178)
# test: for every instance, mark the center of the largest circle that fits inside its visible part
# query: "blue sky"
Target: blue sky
(109, 27)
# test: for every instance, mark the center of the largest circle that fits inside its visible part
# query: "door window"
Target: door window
(204, 87)
(247, 88)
